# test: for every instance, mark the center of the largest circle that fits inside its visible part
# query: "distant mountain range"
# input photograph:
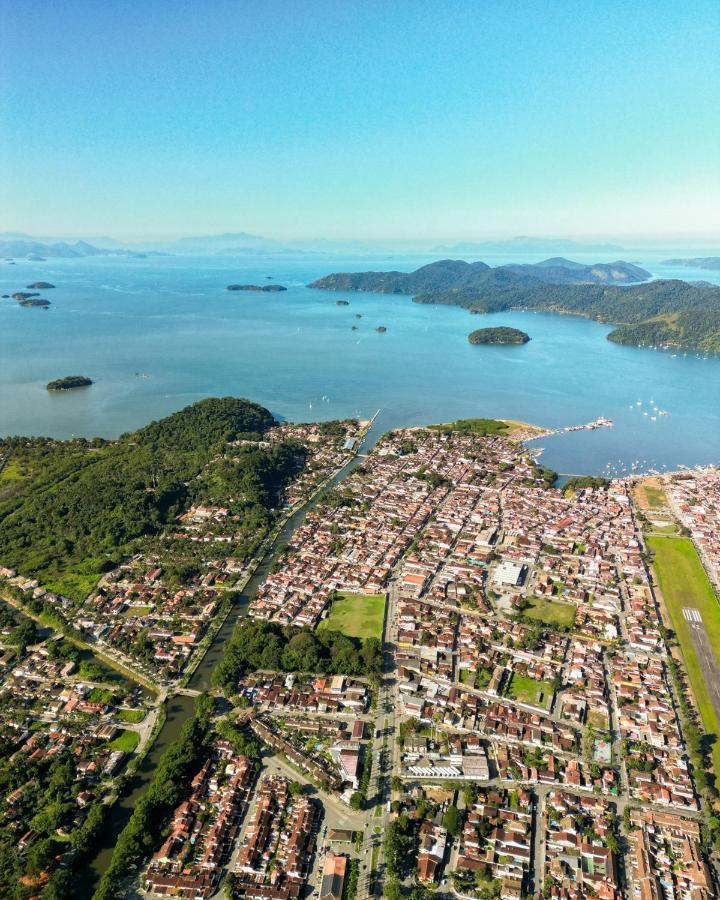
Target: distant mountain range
(669, 313)
(698, 262)
(524, 244)
(241, 243)
(23, 247)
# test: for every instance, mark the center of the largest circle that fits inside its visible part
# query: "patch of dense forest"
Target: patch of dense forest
(266, 645)
(73, 508)
(694, 328)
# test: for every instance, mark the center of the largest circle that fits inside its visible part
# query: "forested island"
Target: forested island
(34, 302)
(670, 313)
(265, 288)
(500, 335)
(69, 382)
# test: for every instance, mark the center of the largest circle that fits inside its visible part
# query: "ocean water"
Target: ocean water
(156, 334)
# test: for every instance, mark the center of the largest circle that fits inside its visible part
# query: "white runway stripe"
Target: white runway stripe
(692, 615)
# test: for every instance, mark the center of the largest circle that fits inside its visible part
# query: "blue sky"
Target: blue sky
(338, 118)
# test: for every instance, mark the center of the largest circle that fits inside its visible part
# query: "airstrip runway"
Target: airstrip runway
(705, 655)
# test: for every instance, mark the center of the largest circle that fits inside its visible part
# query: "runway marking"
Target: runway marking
(692, 615)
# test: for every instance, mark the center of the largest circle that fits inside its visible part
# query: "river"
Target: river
(180, 708)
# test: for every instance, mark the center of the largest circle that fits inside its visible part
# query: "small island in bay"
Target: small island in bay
(266, 288)
(69, 382)
(38, 302)
(499, 335)
(40, 286)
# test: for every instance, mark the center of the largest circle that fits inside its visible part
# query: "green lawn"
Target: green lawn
(473, 426)
(357, 615)
(551, 612)
(137, 610)
(100, 695)
(529, 690)
(133, 716)
(73, 585)
(683, 583)
(669, 529)
(126, 741)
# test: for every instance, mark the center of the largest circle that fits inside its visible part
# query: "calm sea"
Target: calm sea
(156, 334)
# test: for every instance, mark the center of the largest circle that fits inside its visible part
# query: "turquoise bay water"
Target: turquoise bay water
(157, 334)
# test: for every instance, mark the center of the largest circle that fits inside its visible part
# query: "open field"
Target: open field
(529, 690)
(551, 612)
(669, 529)
(73, 585)
(137, 610)
(684, 584)
(126, 741)
(357, 615)
(649, 494)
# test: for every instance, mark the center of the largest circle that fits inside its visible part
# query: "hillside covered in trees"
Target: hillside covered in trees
(695, 328)
(73, 508)
(693, 308)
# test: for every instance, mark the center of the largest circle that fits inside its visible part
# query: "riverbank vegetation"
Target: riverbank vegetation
(170, 784)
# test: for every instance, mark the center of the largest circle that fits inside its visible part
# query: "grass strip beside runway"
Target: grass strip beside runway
(684, 584)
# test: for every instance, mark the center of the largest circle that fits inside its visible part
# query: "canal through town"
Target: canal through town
(180, 708)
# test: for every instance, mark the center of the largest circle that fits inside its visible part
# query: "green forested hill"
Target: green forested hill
(74, 507)
(694, 328)
(458, 274)
(695, 308)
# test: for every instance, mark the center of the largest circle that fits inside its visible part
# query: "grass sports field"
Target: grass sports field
(551, 612)
(528, 690)
(683, 583)
(357, 615)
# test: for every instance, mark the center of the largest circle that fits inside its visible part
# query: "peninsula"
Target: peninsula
(265, 288)
(500, 335)
(689, 313)
(69, 382)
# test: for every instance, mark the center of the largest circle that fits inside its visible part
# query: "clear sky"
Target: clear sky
(359, 118)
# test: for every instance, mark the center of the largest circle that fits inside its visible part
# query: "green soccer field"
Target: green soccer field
(357, 615)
